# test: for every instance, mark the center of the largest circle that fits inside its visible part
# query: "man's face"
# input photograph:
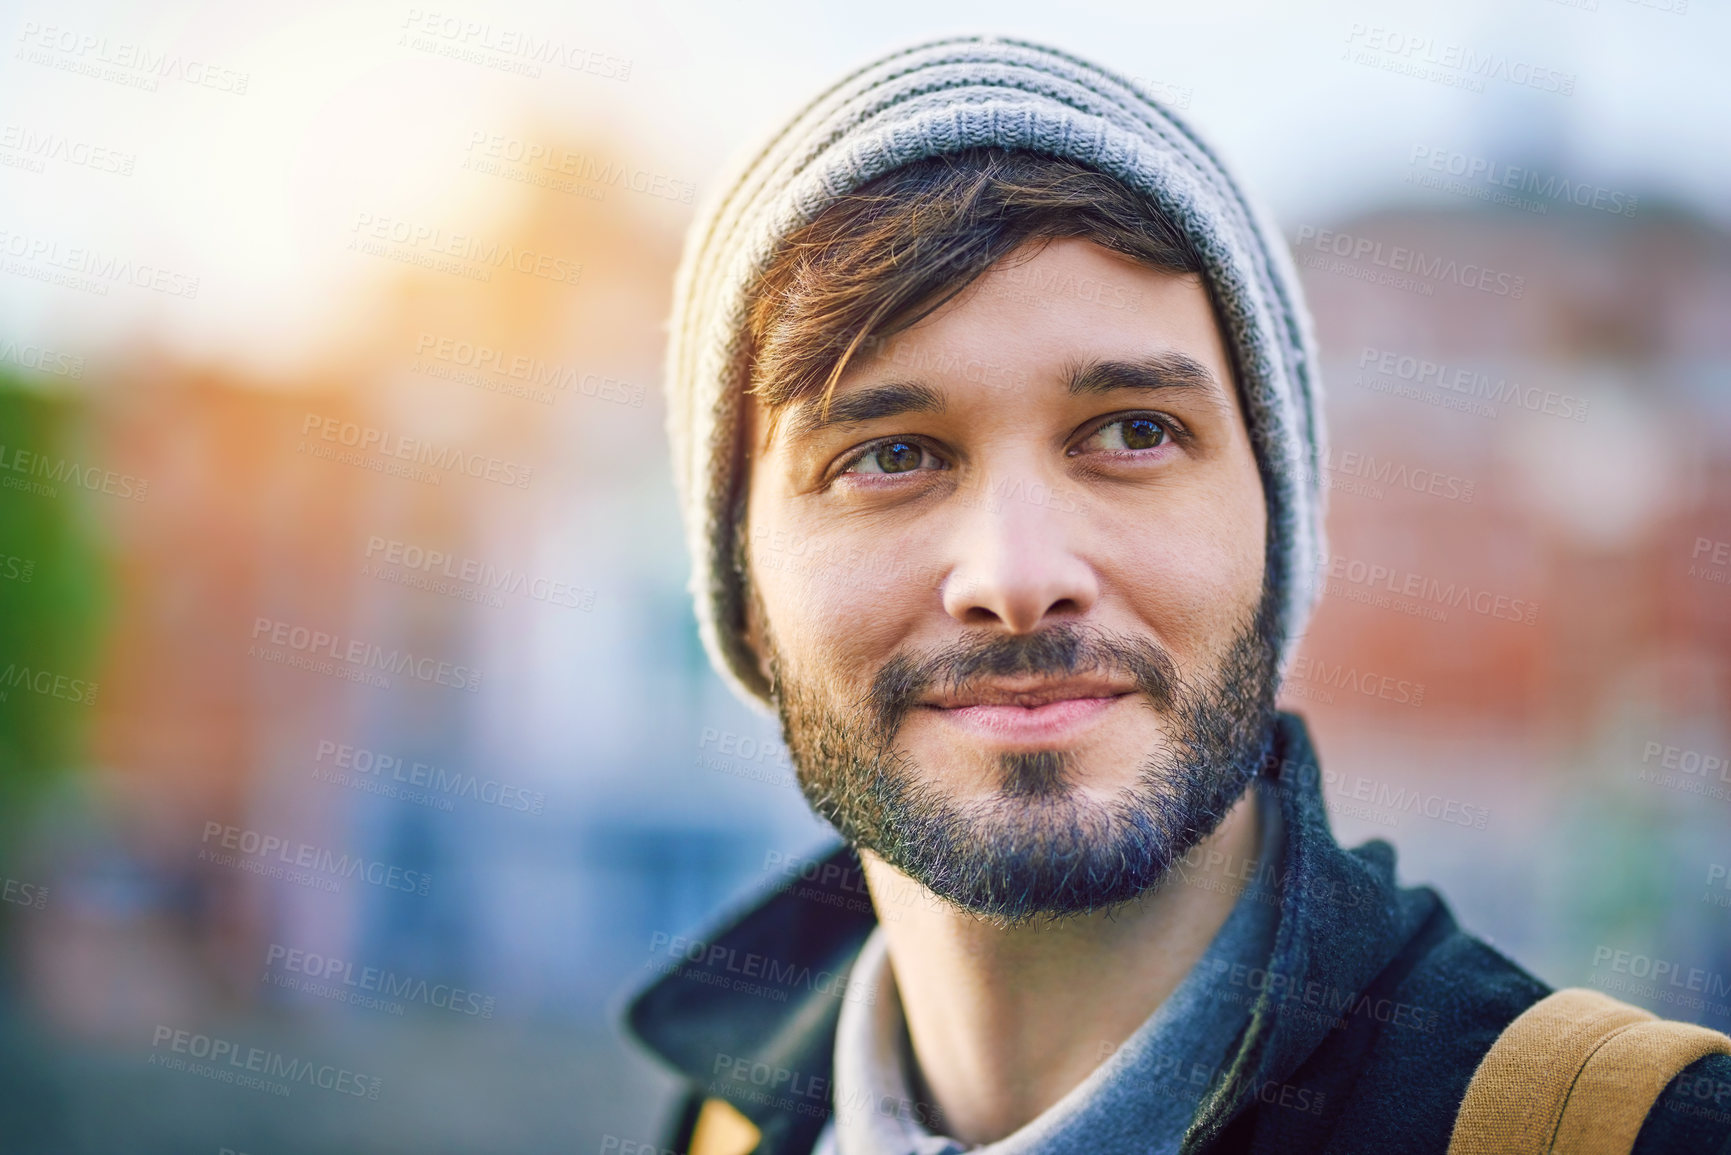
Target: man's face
(1010, 596)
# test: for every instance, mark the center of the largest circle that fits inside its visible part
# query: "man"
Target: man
(995, 418)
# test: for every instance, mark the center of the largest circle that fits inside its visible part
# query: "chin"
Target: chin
(969, 769)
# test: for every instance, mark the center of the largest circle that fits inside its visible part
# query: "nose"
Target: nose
(1016, 560)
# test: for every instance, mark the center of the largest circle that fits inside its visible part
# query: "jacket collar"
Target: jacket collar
(1342, 920)
(748, 1010)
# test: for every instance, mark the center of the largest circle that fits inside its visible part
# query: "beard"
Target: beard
(1039, 846)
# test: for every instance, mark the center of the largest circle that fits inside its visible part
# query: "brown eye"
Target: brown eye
(1129, 433)
(1143, 433)
(894, 456)
(898, 457)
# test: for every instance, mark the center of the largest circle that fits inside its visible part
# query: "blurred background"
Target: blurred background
(352, 714)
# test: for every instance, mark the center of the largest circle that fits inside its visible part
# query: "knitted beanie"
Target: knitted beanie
(941, 97)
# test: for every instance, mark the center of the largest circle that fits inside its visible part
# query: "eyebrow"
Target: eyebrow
(869, 403)
(1155, 373)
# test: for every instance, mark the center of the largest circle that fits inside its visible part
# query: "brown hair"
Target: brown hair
(881, 259)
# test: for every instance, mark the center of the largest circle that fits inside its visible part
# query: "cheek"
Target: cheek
(839, 611)
(1194, 574)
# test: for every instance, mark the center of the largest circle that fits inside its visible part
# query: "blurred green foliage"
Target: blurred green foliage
(52, 602)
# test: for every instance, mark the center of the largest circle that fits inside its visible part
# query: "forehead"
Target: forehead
(1065, 319)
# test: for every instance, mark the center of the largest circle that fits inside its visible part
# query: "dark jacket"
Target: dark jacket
(1372, 1016)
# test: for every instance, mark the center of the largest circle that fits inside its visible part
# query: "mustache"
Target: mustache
(1058, 651)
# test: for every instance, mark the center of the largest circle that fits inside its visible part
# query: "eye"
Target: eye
(896, 455)
(1141, 431)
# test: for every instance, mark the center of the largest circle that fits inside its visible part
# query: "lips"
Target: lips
(1030, 694)
(1029, 715)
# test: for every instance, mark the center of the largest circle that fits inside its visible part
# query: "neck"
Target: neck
(1005, 1021)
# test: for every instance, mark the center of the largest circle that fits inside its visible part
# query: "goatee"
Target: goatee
(1038, 846)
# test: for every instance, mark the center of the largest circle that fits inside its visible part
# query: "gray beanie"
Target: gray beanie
(942, 97)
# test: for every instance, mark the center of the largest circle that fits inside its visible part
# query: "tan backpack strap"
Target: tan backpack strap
(1574, 1074)
(1623, 1080)
(722, 1130)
